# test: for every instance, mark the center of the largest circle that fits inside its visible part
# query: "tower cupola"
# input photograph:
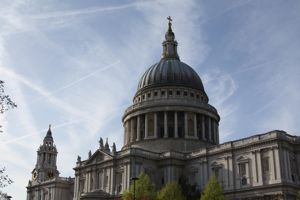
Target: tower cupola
(45, 167)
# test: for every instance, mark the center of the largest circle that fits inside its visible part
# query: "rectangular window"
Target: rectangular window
(178, 93)
(170, 92)
(155, 93)
(185, 93)
(216, 172)
(265, 164)
(242, 169)
(149, 95)
(162, 93)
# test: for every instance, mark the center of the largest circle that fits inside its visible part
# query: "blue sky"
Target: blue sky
(76, 65)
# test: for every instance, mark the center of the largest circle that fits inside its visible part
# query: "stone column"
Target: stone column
(175, 124)
(277, 162)
(228, 173)
(131, 130)
(138, 128)
(209, 129)
(254, 168)
(146, 126)
(185, 125)
(272, 165)
(76, 185)
(109, 184)
(203, 127)
(112, 180)
(259, 168)
(195, 125)
(155, 125)
(125, 132)
(288, 164)
(165, 124)
(215, 132)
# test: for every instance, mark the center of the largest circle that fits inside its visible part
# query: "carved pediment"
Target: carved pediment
(216, 164)
(242, 159)
(99, 156)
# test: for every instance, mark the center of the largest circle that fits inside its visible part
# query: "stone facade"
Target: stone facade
(171, 131)
(46, 183)
(262, 166)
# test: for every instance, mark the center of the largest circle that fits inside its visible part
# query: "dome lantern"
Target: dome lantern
(170, 44)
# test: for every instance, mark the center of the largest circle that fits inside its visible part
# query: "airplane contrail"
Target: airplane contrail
(55, 126)
(248, 68)
(78, 80)
(85, 11)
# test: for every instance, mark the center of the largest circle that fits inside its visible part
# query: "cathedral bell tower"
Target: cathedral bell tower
(45, 168)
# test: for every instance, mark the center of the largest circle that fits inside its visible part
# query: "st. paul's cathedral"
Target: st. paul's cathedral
(171, 131)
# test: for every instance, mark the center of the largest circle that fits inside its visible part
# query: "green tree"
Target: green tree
(172, 191)
(191, 192)
(144, 190)
(213, 190)
(298, 194)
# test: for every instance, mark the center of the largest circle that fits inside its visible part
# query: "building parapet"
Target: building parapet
(272, 135)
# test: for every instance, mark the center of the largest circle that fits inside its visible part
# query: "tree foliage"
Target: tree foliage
(4, 181)
(298, 194)
(213, 190)
(172, 191)
(191, 192)
(5, 104)
(5, 101)
(144, 190)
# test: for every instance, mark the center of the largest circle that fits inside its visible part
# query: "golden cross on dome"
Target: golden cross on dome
(169, 18)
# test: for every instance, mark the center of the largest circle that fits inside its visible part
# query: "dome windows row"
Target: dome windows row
(171, 93)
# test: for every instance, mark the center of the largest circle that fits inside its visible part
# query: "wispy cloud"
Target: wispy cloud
(84, 98)
(84, 11)
(42, 91)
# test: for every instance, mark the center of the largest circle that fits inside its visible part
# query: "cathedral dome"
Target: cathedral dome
(170, 72)
(170, 109)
